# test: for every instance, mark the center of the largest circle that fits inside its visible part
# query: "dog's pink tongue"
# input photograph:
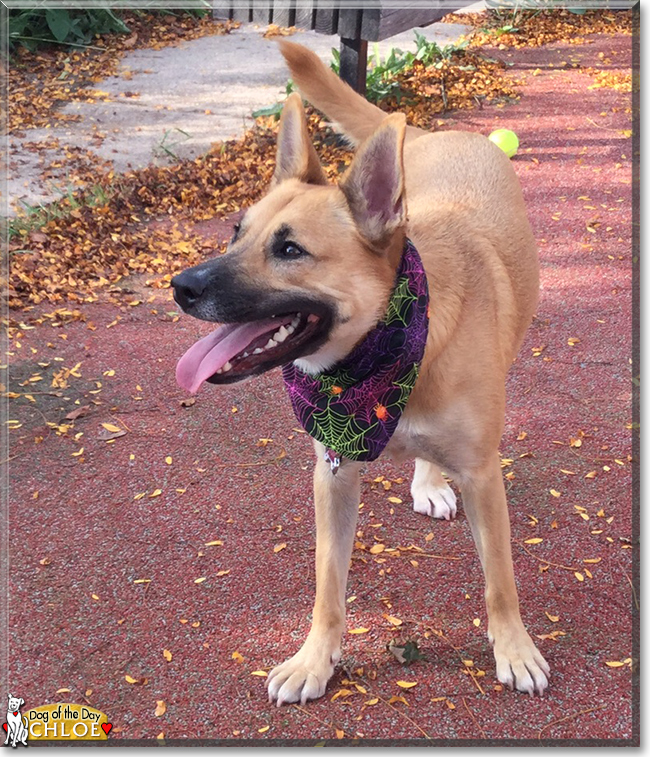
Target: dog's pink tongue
(216, 349)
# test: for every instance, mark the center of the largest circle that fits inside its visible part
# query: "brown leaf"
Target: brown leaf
(78, 413)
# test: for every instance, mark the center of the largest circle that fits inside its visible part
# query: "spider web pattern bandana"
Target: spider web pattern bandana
(354, 408)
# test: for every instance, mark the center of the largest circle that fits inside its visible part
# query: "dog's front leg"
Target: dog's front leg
(519, 663)
(336, 497)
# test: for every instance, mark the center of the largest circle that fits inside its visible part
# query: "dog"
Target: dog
(310, 272)
(16, 723)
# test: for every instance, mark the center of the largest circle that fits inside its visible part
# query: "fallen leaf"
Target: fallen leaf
(167, 655)
(260, 673)
(161, 708)
(358, 630)
(552, 618)
(377, 549)
(393, 620)
(263, 729)
(237, 657)
(579, 576)
(341, 693)
(405, 653)
(64, 691)
(279, 547)
(78, 413)
(200, 580)
(535, 540)
(130, 679)
(406, 684)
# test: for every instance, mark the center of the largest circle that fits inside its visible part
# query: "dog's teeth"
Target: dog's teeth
(245, 354)
(280, 335)
(258, 351)
(270, 344)
(220, 370)
(295, 322)
(291, 329)
(227, 367)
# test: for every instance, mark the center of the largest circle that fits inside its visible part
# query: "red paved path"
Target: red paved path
(99, 540)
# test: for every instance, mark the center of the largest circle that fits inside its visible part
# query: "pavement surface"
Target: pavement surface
(109, 537)
(174, 103)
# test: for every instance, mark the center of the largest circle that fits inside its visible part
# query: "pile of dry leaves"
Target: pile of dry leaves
(89, 244)
(464, 80)
(39, 82)
(527, 28)
(95, 239)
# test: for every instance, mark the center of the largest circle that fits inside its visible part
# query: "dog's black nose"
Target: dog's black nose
(188, 287)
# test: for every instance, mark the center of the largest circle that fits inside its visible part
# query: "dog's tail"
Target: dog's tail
(352, 114)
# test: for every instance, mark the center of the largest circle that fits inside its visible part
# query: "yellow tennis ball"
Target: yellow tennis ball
(505, 139)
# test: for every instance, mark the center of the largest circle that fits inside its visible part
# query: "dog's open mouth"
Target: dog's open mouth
(235, 351)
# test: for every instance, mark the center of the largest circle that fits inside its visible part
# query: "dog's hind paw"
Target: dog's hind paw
(302, 677)
(435, 501)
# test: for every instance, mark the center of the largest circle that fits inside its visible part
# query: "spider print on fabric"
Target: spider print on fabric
(354, 408)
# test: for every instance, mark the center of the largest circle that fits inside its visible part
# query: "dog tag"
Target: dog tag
(333, 459)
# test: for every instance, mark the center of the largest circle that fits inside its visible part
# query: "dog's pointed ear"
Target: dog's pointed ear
(22, 702)
(296, 157)
(374, 183)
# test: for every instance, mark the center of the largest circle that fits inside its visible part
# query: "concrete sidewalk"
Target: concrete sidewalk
(175, 103)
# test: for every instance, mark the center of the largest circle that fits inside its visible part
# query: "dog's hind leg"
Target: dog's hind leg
(431, 494)
(336, 497)
(519, 663)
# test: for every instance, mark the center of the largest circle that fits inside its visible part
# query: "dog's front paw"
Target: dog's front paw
(303, 676)
(520, 664)
(435, 501)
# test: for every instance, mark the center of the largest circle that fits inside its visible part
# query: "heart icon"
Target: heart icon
(106, 727)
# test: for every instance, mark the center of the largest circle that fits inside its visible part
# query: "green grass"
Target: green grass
(34, 217)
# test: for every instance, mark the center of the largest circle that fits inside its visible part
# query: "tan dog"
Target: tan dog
(309, 272)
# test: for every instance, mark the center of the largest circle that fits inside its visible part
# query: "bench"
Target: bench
(355, 27)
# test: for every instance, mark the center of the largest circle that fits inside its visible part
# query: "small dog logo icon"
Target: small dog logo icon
(16, 725)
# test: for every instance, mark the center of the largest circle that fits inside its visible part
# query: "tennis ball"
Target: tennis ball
(506, 140)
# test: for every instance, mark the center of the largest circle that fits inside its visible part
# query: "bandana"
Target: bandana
(354, 408)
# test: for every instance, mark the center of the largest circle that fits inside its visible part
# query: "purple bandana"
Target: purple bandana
(354, 408)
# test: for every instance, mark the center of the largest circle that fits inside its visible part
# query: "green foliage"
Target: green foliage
(276, 109)
(381, 77)
(35, 217)
(36, 26)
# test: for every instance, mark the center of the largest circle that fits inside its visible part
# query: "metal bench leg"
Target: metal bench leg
(354, 63)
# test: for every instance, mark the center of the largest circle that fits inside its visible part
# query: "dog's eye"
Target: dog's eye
(235, 232)
(290, 251)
